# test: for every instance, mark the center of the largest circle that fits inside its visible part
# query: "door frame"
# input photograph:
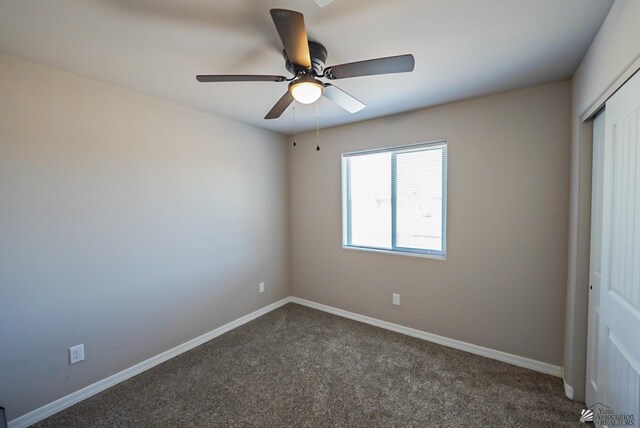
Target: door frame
(575, 347)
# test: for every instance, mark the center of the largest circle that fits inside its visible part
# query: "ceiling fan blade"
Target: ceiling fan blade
(290, 26)
(343, 99)
(391, 64)
(280, 106)
(238, 78)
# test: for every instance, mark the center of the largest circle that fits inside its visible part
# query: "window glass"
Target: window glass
(395, 199)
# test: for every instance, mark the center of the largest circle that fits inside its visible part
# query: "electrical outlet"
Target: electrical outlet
(76, 354)
(261, 287)
(395, 299)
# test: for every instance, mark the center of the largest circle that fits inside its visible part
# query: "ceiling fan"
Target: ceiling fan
(306, 61)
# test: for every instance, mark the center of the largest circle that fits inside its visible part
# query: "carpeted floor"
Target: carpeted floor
(300, 367)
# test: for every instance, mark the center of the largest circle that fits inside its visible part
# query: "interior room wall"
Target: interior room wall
(503, 284)
(614, 49)
(127, 224)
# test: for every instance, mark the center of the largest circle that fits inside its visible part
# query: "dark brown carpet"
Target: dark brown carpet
(300, 367)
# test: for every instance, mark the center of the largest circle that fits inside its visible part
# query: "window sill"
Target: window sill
(397, 253)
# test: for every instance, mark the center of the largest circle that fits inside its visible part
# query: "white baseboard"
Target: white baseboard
(568, 389)
(452, 343)
(86, 392)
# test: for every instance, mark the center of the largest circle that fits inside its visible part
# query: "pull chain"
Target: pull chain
(317, 126)
(294, 125)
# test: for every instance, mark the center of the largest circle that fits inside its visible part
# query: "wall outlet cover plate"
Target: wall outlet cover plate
(76, 354)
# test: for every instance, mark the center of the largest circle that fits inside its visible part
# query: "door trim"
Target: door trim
(612, 89)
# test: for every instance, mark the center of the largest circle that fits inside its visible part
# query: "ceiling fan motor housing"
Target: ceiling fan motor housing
(318, 55)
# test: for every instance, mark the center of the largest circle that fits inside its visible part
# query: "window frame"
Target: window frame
(346, 200)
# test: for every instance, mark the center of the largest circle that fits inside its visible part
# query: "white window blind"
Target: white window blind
(395, 199)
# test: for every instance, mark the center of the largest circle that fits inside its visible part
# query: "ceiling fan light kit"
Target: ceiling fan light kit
(306, 89)
(306, 60)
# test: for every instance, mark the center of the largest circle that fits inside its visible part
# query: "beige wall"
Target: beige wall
(126, 223)
(503, 283)
(615, 48)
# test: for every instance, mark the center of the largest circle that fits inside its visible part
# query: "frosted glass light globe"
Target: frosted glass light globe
(306, 91)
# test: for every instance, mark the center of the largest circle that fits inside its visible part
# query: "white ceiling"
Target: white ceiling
(463, 48)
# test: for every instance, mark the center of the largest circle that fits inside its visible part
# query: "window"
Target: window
(395, 199)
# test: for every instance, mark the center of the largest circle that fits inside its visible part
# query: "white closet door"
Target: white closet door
(619, 334)
(594, 269)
